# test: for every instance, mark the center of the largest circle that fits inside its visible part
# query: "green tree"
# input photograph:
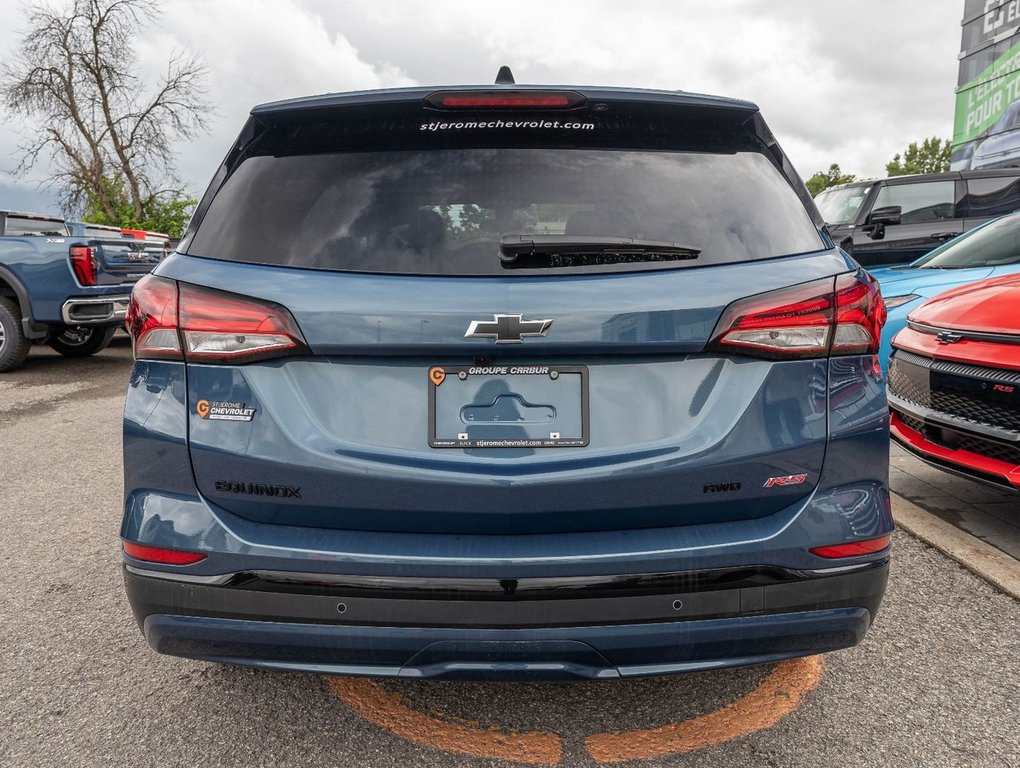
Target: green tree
(823, 180)
(167, 212)
(106, 137)
(931, 156)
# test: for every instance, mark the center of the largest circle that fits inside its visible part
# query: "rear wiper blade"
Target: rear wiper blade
(551, 251)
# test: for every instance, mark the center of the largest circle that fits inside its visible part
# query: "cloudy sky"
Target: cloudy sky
(851, 83)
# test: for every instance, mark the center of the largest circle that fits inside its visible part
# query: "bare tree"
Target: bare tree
(108, 143)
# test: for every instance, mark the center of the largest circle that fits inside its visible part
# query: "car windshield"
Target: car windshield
(840, 206)
(993, 245)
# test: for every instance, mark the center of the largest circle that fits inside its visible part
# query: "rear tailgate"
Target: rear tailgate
(342, 438)
(122, 260)
(431, 400)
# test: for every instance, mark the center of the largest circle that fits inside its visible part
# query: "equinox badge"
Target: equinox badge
(507, 329)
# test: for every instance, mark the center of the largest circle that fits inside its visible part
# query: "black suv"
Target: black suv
(897, 220)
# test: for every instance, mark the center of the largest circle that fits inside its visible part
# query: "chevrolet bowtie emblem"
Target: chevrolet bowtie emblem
(507, 329)
(948, 337)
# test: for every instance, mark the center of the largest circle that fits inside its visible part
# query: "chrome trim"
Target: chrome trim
(931, 330)
(961, 425)
(118, 309)
(188, 578)
(845, 568)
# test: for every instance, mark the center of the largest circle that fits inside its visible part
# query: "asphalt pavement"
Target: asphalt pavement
(936, 682)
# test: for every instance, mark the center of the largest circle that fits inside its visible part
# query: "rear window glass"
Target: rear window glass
(992, 197)
(444, 211)
(18, 226)
(101, 233)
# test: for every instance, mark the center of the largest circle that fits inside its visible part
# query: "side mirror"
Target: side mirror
(889, 215)
(879, 218)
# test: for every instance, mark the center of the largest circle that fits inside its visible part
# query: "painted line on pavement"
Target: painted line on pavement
(779, 694)
(383, 708)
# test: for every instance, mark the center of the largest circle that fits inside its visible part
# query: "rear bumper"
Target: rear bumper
(100, 310)
(346, 630)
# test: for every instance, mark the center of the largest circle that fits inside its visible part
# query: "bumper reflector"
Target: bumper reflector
(158, 555)
(853, 548)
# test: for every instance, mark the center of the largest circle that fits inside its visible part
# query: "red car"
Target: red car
(954, 381)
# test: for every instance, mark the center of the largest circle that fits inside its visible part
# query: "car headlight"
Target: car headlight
(898, 301)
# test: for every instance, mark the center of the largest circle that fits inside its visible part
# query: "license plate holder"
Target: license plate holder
(508, 406)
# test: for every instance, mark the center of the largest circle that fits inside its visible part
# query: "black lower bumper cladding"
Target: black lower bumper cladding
(524, 603)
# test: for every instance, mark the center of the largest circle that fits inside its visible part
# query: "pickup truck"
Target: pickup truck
(68, 291)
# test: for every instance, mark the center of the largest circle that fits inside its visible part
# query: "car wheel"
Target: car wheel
(14, 345)
(82, 340)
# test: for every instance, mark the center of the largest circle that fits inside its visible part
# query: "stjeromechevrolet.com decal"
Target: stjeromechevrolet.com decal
(224, 410)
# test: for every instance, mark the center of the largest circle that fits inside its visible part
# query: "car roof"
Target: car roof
(28, 215)
(97, 226)
(592, 93)
(913, 178)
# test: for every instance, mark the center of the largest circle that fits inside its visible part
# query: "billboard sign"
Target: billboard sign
(986, 133)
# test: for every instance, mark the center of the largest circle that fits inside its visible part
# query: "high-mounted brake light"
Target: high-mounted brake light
(816, 319)
(853, 548)
(176, 320)
(504, 99)
(160, 555)
(84, 264)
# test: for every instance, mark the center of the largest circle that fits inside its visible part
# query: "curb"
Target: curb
(977, 556)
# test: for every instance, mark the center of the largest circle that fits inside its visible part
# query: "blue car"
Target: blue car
(990, 250)
(505, 382)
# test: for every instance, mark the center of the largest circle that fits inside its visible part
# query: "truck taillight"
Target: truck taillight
(84, 264)
(172, 320)
(839, 317)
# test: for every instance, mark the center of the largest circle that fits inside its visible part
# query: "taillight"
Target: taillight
(161, 555)
(860, 315)
(853, 548)
(504, 99)
(841, 317)
(84, 264)
(152, 319)
(176, 320)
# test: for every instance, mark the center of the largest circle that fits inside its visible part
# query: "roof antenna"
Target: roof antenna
(505, 76)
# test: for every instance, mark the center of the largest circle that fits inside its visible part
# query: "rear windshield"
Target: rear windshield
(20, 226)
(444, 211)
(101, 233)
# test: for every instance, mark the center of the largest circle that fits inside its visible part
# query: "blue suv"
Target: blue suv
(505, 382)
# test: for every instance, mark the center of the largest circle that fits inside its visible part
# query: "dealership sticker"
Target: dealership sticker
(224, 410)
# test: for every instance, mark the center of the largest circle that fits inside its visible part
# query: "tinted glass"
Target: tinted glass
(101, 233)
(18, 226)
(992, 197)
(925, 201)
(444, 211)
(992, 245)
(841, 206)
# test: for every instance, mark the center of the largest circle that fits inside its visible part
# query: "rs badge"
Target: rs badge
(785, 480)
